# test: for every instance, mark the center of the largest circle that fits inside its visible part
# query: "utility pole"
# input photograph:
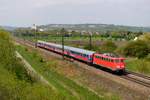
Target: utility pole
(90, 40)
(35, 28)
(62, 32)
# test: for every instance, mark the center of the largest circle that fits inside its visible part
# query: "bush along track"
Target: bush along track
(138, 65)
(68, 88)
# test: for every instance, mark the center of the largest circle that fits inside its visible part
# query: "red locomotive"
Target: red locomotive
(106, 60)
(109, 61)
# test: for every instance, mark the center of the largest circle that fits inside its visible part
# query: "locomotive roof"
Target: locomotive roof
(107, 56)
(69, 48)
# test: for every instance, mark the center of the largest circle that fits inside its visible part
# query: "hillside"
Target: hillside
(9, 28)
(86, 27)
(95, 27)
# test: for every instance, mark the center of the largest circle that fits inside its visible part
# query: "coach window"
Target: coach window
(80, 54)
(86, 55)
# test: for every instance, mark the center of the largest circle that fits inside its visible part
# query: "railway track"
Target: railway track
(131, 76)
(137, 78)
(138, 74)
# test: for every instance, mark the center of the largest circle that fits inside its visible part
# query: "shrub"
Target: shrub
(138, 49)
(108, 46)
(7, 50)
(138, 65)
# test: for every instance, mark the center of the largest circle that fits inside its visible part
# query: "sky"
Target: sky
(41, 12)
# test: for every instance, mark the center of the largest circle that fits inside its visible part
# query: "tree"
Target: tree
(108, 46)
(7, 50)
(145, 37)
(138, 49)
(115, 34)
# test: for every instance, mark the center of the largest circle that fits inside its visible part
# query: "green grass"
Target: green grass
(138, 65)
(67, 87)
(11, 88)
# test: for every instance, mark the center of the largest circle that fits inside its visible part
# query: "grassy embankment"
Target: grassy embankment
(138, 65)
(15, 83)
(67, 87)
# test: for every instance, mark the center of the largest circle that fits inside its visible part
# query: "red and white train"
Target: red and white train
(104, 60)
